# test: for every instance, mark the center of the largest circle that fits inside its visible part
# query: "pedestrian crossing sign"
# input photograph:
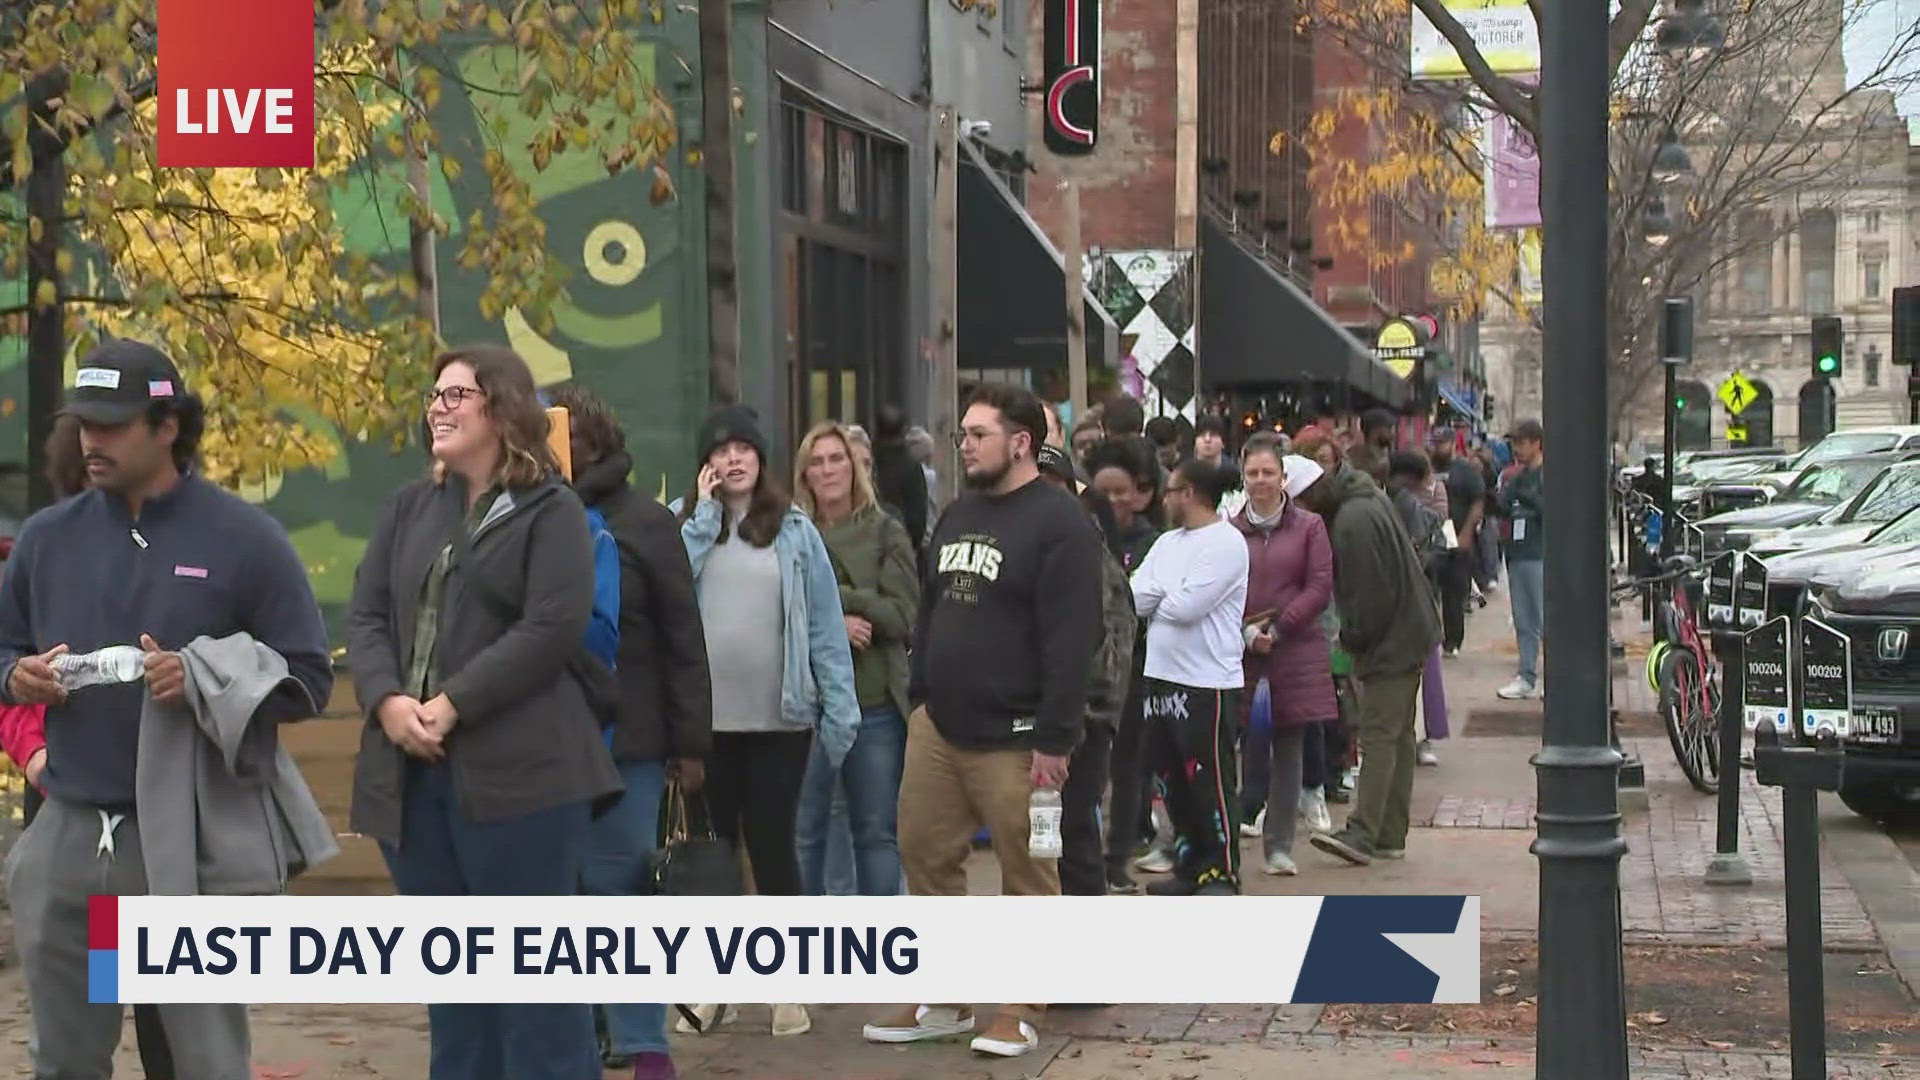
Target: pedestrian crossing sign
(1736, 434)
(1737, 392)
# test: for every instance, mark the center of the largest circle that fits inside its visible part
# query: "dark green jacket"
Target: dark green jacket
(874, 561)
(1389, 620)
(1523, 501)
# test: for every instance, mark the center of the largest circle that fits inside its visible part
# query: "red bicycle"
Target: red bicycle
(1683, 673)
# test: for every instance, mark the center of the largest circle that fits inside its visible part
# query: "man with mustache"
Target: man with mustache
(156, 557)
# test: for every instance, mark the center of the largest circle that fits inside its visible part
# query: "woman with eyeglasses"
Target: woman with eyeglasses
(482, 761)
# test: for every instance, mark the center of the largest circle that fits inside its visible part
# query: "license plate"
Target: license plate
(1876, 725)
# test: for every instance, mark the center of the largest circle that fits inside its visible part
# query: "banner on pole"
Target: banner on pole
(1504, 30)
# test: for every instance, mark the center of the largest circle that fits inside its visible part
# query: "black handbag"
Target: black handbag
(691, 860)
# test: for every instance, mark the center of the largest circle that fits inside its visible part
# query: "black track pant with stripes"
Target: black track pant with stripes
(1190, 740)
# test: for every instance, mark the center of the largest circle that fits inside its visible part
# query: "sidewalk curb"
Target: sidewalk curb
(1887, 885)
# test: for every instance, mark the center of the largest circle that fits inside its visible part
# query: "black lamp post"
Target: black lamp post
(1582, 1015)
(1691, 32)
(1670, 161)
(1655, 226)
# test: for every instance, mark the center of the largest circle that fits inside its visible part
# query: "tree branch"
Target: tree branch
(1505, 94)
(56, 144)
(1628, 23)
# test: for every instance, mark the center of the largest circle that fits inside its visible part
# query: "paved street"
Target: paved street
(1706, 972)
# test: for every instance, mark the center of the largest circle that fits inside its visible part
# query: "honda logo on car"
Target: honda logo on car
(1892, 645)
(222, 107)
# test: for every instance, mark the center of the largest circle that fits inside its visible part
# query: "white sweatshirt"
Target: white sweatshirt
(1192, 587)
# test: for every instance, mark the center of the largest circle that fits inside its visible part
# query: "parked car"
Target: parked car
(1849, 443)
(1817, 490)
(1890, 494)
(1876, 603)
(1790, 573)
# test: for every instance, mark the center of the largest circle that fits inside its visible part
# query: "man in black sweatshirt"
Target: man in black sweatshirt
(1009, 626)
(151, 557)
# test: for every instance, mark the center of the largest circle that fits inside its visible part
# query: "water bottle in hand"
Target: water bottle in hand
(1043, 824)
(113, 664)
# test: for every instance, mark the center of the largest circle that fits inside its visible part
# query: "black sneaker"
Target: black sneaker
(1217, 888)
(1345, 845)
(1172, 886)
(1339, 793)
(1121, 883)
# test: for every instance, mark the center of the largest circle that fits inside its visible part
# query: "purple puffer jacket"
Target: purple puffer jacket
(1291, 574)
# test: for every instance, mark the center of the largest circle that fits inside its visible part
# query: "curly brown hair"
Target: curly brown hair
(512, 402)
(593, 422)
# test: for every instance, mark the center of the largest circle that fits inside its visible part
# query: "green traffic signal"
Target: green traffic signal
(1828, 364)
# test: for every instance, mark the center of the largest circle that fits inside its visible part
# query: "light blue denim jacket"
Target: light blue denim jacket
(816, 679)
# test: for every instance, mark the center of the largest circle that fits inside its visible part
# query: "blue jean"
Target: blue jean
(1527, 587)
(444, 853)
(870, 781)
(1433, 698)
(842, 879)
(619, 849)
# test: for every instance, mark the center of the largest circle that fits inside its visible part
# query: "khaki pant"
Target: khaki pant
(946, 795)
(1389, 750)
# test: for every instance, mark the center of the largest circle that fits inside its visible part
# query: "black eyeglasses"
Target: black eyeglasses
(454, 396)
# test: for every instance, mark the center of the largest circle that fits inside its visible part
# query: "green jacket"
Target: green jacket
(1523, 501)
(1389, 618)
(874, 562)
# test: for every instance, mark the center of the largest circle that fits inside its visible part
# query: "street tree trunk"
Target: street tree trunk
(46, 314)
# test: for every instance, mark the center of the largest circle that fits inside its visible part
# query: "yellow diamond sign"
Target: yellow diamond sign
(1737, 392)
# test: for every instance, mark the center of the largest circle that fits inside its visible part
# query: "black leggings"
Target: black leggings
(753, 795)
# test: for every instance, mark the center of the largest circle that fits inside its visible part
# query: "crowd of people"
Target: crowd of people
(853, 685)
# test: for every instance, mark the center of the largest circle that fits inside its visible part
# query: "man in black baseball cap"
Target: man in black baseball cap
(124, 381)
(153, 557)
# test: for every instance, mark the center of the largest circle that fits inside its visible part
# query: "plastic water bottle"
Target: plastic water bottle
(113, 664)
(1043, 824)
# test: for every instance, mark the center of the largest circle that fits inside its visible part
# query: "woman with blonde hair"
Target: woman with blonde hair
(874, 564)
(481, 762)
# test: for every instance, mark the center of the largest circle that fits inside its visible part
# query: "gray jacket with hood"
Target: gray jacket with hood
(1389, 619)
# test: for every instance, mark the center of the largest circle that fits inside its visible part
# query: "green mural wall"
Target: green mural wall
(632, 326)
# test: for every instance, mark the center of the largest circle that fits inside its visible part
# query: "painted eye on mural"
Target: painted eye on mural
(614, 253)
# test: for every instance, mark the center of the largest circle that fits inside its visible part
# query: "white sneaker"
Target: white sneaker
(1313, 810)
(1427, 756)
(1007, 1048)
(1157, 861)
(1253, 829)
(711, 1016)
(1451, 654)
(1519, 690)
(929, 1022)
(791, 1020)
(1280, 864)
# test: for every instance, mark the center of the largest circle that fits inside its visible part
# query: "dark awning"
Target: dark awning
(1012, 288)
(1259, 328)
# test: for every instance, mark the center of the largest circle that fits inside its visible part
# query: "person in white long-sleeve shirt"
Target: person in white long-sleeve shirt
(1192, 591)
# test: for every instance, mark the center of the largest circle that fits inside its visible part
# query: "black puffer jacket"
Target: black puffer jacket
(666, 708)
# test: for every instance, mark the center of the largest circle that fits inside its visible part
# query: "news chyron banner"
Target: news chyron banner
(735, 950)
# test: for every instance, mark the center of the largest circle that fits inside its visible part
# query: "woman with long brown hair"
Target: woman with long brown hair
(874, 564)
(778, 651)
(481, 761)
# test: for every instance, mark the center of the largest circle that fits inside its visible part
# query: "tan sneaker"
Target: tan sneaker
(1007, 1036)
(914, 1023)
(791, 1020)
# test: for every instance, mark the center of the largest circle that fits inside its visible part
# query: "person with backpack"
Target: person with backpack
(664, 730)
(1409, 481)
(874, 563)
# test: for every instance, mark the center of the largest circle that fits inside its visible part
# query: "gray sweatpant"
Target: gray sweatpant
(71, 852)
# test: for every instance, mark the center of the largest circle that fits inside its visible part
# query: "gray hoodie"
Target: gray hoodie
(223, 809)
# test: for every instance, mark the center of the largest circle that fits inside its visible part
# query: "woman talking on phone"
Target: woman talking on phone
(778, 651)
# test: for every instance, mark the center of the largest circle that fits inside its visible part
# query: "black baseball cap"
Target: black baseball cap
(116, 382)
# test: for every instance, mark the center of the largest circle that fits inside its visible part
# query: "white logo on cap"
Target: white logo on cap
(106, 378)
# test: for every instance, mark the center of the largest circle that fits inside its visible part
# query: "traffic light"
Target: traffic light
(1826, 347)
(1680, 400)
